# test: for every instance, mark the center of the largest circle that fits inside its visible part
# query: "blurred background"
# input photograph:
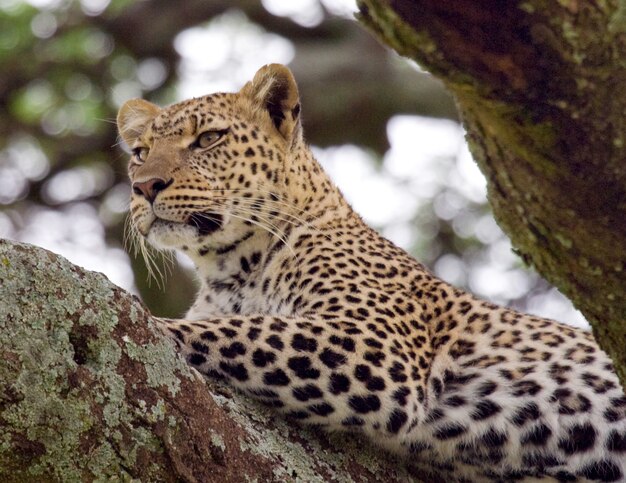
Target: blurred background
(385, 130)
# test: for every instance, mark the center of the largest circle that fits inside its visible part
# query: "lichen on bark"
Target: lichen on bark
(91, 391)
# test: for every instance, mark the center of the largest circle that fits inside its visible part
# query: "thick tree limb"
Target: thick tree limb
(538, 87)
(90, 390)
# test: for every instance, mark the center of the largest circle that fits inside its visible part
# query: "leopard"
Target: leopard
(303, 306)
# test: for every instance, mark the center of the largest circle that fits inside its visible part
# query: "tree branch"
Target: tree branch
(89, 389)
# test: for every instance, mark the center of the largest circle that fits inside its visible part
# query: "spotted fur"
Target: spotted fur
(303, 306)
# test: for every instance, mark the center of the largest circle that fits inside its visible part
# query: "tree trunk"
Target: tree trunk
(540, 88)
(90, 390)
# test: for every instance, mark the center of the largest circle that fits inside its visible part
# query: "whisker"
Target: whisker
(253, 210)
(291, 218)
(256, 214)
(137, 245)
(255, 201)
(110, 120)
(247, 210)
(260, 208)
(264, 191)
(268, 213)
(280, 235)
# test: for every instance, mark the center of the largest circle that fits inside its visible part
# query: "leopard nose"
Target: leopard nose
(151, 188)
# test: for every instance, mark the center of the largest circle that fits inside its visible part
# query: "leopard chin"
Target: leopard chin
(167, 234)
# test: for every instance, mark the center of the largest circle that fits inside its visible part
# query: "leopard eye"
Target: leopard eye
(208, 139)
(141, 154)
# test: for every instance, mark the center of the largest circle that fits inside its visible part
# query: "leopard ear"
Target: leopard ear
(274, 90)
(133, 117)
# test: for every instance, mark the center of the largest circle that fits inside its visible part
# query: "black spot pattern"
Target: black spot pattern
(449, 431)
(236, 370)
(364, 404)
(199, 347)
(455, 401)
(353, 421)
(301, 366)
(331, 358)
(196, 359)
(209, 336)
(528, 412)
(375, 384)
(538, 435)
(493, 439)
(486, 388)
(304, 393)
(321, 409)
(275, 342)
(396, 372)
(253, 333)
(261, 358)
(397, 419)
(276, 377)
(339, 383)
(616, 442)
(602, 470)
(304, 344)
(485, 409)
(401, 395)
(233, 350)
(580, 438)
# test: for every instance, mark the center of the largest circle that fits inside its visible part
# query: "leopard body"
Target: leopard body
(305, 307)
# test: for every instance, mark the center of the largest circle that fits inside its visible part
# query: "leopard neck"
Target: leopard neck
(309, 187)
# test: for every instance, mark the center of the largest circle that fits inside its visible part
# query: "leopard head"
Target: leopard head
(207, 170)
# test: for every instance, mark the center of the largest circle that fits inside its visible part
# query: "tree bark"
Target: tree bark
(90, 390)
(539, 86)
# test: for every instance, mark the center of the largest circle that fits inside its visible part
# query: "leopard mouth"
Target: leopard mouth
(205, 223)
